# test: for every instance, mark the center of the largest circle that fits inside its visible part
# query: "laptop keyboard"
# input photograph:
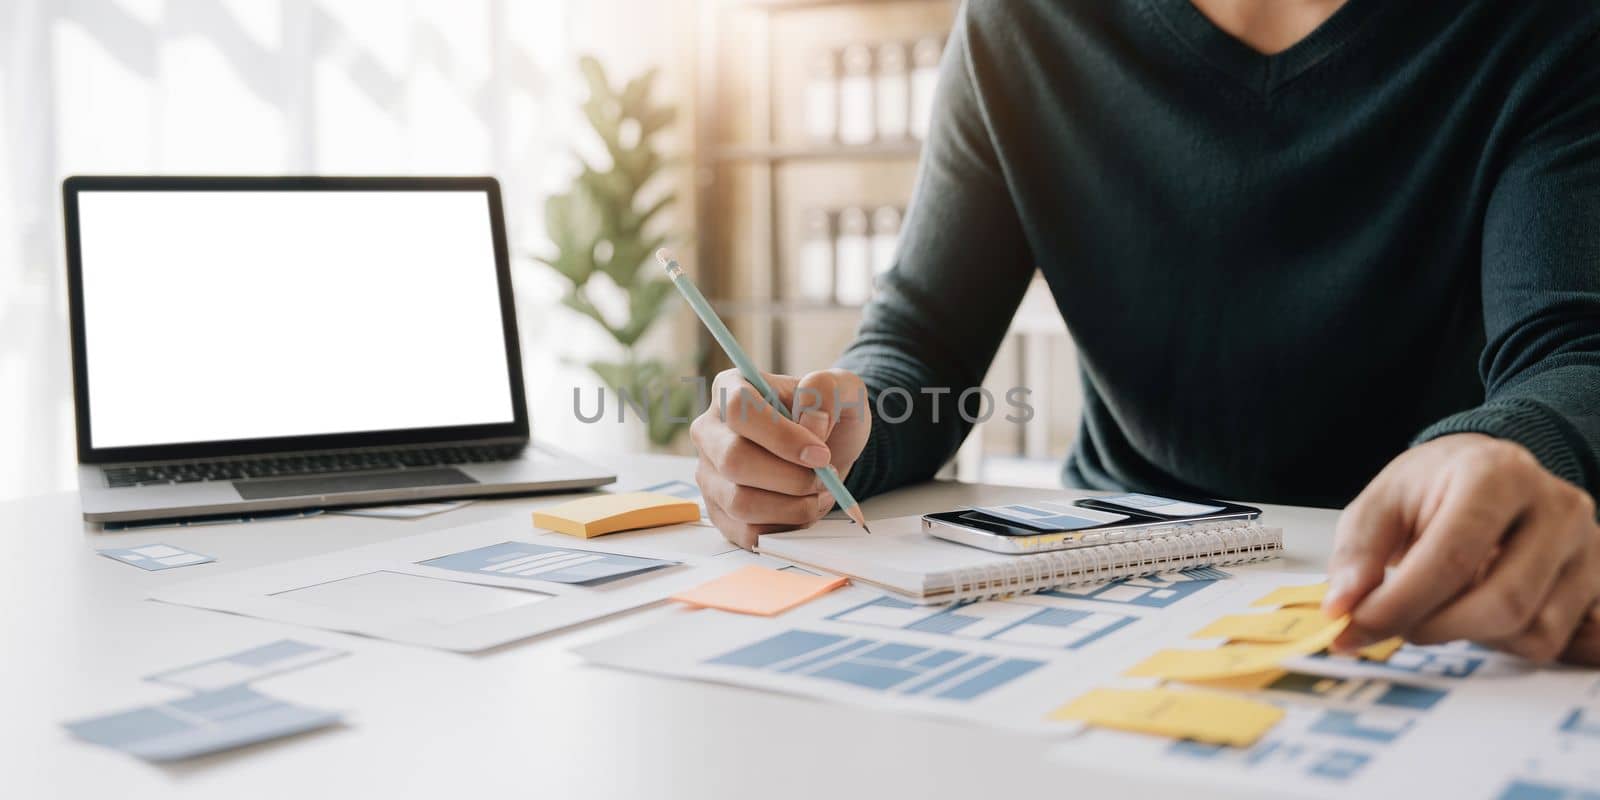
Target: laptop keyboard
(281, 466)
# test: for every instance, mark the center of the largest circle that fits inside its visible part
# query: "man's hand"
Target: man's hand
(756, 467)
(1486, 545)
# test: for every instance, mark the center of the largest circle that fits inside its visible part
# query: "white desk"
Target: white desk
(525, 720)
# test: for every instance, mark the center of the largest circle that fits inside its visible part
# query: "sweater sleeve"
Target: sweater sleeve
(940, 314)
(1541, 286)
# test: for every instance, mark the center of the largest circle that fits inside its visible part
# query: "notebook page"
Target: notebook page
(897, 554)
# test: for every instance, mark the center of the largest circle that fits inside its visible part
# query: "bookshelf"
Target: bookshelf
(758, 172)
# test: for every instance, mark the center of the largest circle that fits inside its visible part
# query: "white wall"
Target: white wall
(276, 86)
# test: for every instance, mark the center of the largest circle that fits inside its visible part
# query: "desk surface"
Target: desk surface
(527, 719)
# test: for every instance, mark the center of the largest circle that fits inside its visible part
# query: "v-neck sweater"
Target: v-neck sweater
(1279, 271)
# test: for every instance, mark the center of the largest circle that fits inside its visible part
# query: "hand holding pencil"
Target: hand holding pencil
(760, 470)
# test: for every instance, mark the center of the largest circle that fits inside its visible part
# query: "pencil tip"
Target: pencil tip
(854, 512)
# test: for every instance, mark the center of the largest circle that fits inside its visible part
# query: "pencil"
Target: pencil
(747, 368)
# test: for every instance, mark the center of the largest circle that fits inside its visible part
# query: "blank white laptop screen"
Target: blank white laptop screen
(217, 315)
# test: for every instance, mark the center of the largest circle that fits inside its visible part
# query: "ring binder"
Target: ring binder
(1218, 544)
(902, 558)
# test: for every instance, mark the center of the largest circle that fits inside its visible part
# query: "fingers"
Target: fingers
(1479, 505)
(757, 466)
(815, 398)
(1584, 648)
(1553, 625)
(744, 513)
(747, 463)
(1371, 531)
(1518, 586)
(751, 505)
(742, 534)
(832, 403)
(747, 414)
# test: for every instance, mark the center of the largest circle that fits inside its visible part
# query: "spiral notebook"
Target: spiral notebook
(900, 558)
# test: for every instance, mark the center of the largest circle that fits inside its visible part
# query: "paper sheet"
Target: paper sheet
(758, 590)
(1005, 663)
(409, 511)
(1351, 727)
(539, 563)
(389, 590)
(1405, 734)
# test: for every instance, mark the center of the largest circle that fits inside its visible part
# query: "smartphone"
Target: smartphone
(1119, 520)
(1169, 508)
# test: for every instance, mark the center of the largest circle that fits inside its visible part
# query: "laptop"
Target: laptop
(246, 345)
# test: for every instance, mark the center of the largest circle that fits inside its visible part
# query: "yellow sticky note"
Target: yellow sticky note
(1243, 683)
(758, 590)
(1382, 650)
(609, 513)
(1233, 659)
(1200, 716)
(1295, 596)
(1271, 627)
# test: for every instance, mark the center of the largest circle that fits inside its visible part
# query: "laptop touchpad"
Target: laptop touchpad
(351, 482)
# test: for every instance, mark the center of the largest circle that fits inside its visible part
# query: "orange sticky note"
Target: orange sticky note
(760, 591)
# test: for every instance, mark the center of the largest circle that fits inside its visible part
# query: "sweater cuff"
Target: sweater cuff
(1528, 423)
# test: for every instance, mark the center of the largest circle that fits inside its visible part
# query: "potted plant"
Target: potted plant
(605, 224)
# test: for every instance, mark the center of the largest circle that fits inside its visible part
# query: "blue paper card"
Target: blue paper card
(203, 723)
(683, 489)
(543, 563)
(687, 491)
(156, 557)
(246, 666)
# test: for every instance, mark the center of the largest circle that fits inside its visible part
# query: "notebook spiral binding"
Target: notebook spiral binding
(1214, 544)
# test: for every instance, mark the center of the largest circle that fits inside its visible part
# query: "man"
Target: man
(1309, 251)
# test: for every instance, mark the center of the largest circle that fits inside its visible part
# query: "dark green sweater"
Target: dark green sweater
(1279, 271)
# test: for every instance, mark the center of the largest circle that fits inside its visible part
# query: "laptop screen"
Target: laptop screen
(241, 314)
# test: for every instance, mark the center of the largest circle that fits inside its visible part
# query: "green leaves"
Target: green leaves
(645, 304)
(574, 221)
(605, 224)
(666, 401)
